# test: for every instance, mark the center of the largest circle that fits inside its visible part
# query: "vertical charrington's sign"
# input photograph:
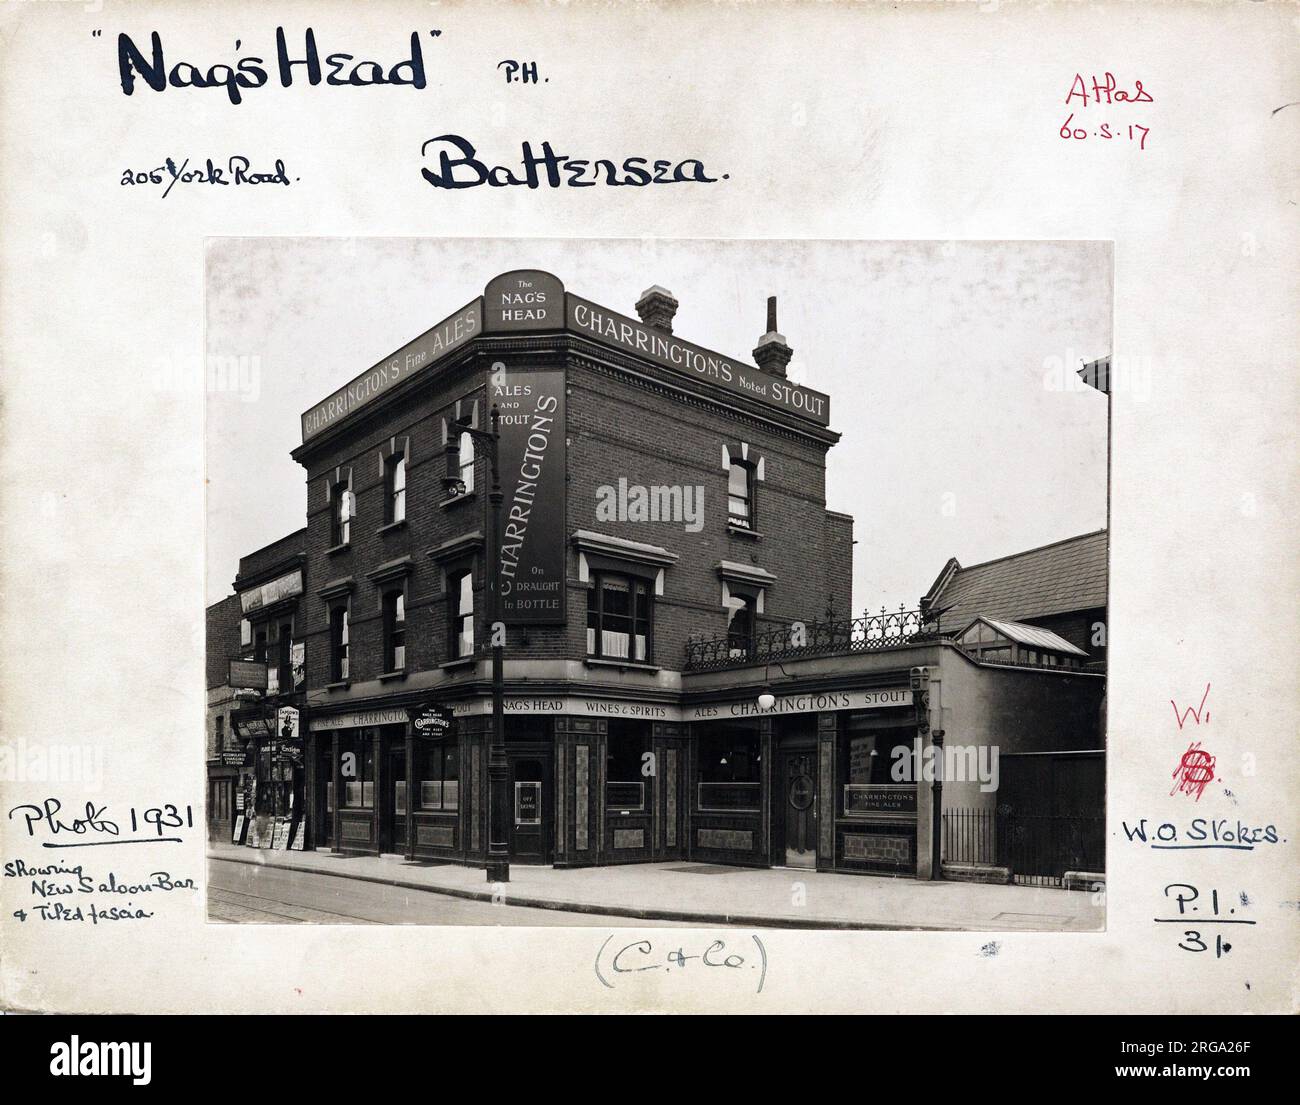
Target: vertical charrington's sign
(533, 480)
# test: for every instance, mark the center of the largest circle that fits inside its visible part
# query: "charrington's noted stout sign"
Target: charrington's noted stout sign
(432, 344)
(695, 361)
(526, 299)
(532, 477)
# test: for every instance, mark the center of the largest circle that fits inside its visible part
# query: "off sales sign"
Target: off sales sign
(532, 477)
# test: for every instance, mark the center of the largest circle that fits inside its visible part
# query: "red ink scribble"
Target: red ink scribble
(1192, 711)
(1195, 771)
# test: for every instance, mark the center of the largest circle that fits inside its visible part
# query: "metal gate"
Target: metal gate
(1051, 815)
(1039, 849)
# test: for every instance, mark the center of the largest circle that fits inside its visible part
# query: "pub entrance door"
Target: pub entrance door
(397, 797)
(530, 807)
(794, 811)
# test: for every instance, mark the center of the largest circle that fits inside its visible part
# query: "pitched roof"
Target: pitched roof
(1032, 636)
(1052, 579)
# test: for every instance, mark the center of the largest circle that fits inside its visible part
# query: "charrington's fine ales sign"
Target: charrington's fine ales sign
(424, 350)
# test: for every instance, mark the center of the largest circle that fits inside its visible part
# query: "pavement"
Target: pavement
(700, 893)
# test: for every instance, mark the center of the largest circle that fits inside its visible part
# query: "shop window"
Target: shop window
(340, 513)
(460, 612)
(729, 762)
(619, 618)
(395, 489)
(220, 720)
(626, 747)
(740, 494)
(466, 463)
(264, 800)
(394, 631)
(869, 747)
(357, 766)
(339, 643)
(437, 774)
(740, 624)
(259, 645)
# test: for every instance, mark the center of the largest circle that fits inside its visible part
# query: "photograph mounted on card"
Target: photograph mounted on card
(578, 591)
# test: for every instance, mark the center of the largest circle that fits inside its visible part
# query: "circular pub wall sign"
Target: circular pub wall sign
(432, 721)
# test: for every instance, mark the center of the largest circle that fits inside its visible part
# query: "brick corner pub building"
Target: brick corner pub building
(667, 558)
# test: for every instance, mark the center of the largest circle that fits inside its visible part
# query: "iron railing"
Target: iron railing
(800, 639)
(1038, 849)
(971, 836)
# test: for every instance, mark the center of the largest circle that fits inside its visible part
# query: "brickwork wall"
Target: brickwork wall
(615, 427)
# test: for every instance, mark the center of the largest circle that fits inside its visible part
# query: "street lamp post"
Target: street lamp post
(498, 858)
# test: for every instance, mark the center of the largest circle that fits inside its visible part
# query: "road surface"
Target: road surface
(244, 893)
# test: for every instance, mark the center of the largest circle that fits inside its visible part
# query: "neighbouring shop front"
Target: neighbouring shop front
(270, 803)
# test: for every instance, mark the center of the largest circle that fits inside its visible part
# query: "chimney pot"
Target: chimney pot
(656, 307)
(772, 354)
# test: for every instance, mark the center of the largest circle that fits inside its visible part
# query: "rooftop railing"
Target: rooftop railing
(869, 633)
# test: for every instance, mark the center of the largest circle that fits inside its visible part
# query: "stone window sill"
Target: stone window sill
(456, 500)
(622, 665)
(743, 531)
(392, 527)
(340, 685)
(335, 549)
(389, 676)
(459, 662)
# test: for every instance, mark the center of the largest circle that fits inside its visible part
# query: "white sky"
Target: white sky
(942, 361)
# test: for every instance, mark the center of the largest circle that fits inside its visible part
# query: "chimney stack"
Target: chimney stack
(657, 306)
(772, 354)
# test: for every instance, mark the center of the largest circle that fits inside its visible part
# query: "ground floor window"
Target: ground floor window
(437, 774)
(729, 762)
(875, 751)
(219, 800)
(327, 773)
(357, 768)
(625, 782)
